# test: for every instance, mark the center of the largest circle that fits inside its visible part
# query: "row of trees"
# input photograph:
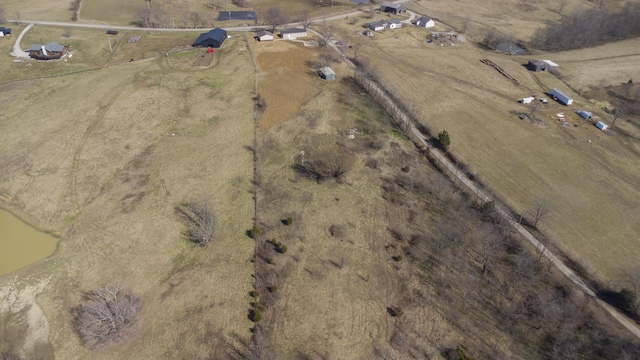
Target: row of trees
(590, 27)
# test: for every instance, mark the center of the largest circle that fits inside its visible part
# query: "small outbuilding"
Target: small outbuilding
(392, 8)
(377, 25)
(327, 73)
(541, 65)
(264, 36)
(561, 97)
(214, 38)
(425, 22)
(292, 34)
(527, 100)
(585, 114)
(5, 31)
(602, 126)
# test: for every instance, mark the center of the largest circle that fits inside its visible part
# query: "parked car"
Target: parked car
(112, 32)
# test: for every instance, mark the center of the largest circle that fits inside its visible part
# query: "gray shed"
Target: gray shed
(585, 114)
(327, 73)
(392, 8)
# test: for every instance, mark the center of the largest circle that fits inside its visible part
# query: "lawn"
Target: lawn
(101, 159)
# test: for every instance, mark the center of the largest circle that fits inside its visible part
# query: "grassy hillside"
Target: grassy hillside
(101, 159)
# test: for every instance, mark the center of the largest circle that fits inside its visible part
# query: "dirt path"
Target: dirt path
(17, 50)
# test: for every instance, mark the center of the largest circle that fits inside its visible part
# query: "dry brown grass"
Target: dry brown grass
(336, 279)
(286, 81)
(105, 174)
(592, 213)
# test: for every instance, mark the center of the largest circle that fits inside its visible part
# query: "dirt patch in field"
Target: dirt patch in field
(286, 82)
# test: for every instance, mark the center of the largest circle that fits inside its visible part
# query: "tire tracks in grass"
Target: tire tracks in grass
(71, 192)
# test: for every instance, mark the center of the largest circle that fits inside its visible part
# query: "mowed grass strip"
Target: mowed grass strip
(108, 171)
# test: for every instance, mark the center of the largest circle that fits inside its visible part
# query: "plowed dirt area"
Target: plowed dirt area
(285, 80)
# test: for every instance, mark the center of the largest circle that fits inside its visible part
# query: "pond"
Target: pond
(510, 48)
(20, 244)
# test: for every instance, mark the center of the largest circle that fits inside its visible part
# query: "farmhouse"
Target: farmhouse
(385, 24)
(392, 8)
(51, 51)
(292, 34)
(214, 38)
(327, 73)
(264, 36)
(5, 31)
(541, 65)
(425, 22)
(561, 97)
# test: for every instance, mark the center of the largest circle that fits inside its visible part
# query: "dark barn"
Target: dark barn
(213, 38)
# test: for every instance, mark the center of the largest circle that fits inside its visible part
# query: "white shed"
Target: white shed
(527, 100)
(602, 126)
(425, 22)
(264, 35)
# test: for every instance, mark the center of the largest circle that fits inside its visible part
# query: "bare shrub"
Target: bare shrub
(203, 223)
(337, 231)
(326, 163)
(108, 316)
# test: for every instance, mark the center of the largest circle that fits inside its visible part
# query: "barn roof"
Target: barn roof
(5, 30)
(423, 19)
(216, 34)
(263, 33)
(549, 62)
(392, 5)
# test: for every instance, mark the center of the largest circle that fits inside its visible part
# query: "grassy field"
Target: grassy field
(101, 159)
(592, 212)
(336, 280)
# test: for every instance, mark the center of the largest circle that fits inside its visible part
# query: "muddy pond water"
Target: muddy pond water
(20, 244)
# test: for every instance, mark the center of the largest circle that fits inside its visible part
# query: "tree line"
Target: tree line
(589, 27)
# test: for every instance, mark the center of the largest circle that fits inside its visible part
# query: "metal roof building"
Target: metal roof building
(214, 38)
(327, 73)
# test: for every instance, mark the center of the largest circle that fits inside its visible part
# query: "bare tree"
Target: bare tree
(465, 25)
(108, 315)
(304, 19)
(540, 211)
(203, 223)
(326, 163)
(326, 31)
(561, 5)
(275, 17)
(143, 16)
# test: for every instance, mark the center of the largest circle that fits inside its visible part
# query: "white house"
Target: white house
(425, 22)
(394, 23)
(292, 34)
(264, 36)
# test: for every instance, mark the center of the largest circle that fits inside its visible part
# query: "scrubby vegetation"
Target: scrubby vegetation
(108, 316)
(589, 27)
(202, 220)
